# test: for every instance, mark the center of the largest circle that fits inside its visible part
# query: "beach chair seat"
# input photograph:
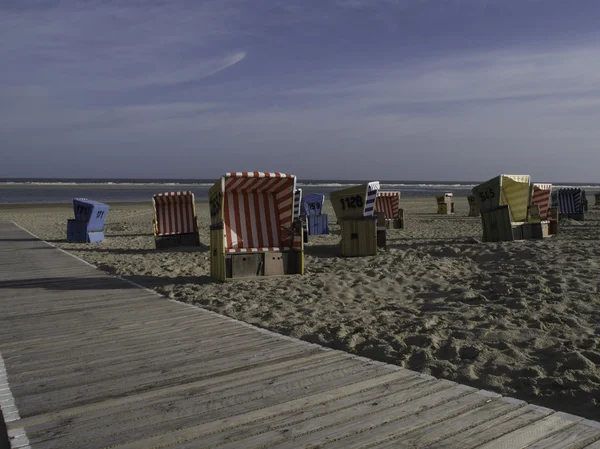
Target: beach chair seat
(541, 198)
(88, 224)
(255, 230)
(175, 222)
(389, 204)
(445, 204)
(569, 202)
(504, 205)
(473, 209)
(311, 212)
(354, 208)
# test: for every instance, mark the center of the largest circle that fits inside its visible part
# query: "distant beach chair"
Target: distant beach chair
(311, 212)
(175, 222)
(597, 198)
(570, 202)
(88, 224)
(355, 211)
(389, 204)
(253, 231)
(473, 209)
(506, 215)
(445, 203)
(541, 195)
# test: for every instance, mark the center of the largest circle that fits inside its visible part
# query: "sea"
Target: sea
(63, 190)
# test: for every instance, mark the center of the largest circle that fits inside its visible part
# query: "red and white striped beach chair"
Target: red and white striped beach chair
(389, 204)
(541, 196)
(253, 230)
(175, 222)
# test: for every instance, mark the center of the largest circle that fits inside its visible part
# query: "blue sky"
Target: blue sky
(356, 89)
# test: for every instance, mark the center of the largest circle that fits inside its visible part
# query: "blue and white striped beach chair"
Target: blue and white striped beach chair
(570, 202)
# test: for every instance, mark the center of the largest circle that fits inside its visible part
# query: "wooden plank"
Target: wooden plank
(533, 432)
(110, 404)
(374, 399)
(439, 431)
(574, 437)
(373, 396)
(193, 432)
(322, 429)
(202, 408)
(81, 394)
(494, 429)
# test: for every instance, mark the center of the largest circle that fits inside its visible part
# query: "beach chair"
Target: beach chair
(175, 222)
(473, 209)
(88, 224)
(312, 214)
(541, 195)
(389, 204)
(597, 198)
(354, 208)
(504, 203)
(569, 202)
(253, 231)
(445, 203)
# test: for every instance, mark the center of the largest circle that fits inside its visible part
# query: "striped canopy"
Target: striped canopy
(541, 196)
(258, 210)
(174, 213)
(388, 203)
(569, 201)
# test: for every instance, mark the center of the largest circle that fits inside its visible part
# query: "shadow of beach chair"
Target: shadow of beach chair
(354, 208)
(389, 204)
(473, 209)
(88, 224)
(504, 202)
(175, 222)
(570, 202)
(311, 212)
(253, 231)
(445, 204)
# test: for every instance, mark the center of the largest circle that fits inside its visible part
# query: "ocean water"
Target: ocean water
(40, 191)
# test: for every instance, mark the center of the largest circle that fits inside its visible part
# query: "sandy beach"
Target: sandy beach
(519, 318)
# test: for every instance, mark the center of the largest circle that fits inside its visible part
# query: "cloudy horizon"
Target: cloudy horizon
(328, 89)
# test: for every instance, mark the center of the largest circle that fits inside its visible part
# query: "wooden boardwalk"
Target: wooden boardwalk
(92, 361)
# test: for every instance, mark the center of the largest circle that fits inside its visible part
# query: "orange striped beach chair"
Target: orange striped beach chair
(253, 229)
(389, 204)
(175, 222)
(541, 198)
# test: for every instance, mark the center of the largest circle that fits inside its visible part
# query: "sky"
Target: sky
(323, 89)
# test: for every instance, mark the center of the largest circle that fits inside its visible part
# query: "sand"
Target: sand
(519, 318)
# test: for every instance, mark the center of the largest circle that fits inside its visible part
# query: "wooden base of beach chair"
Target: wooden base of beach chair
(317, 224)
(359, 237)
(445, 209)
(576, 217)
(497, 226)
(396, 223)
(77, 232)
(473, 211)
(536, 231)
(171, 241)
(272, 263)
